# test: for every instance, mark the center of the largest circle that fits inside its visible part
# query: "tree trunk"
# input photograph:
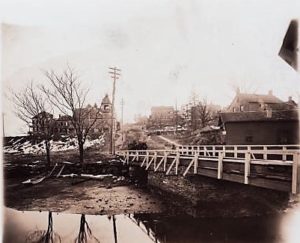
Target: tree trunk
(47, 145)
(81, 151)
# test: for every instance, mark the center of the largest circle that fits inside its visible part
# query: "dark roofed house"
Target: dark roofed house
(259, 102)
(63, 125)
(261, 127)
(99, 117)
(41, 123)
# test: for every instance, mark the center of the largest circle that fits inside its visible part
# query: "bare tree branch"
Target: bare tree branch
(69, 97)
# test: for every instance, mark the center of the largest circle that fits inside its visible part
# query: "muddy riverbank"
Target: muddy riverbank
(121, 192)
(75, 196)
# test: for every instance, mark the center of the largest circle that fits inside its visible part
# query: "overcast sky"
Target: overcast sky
(165, 48)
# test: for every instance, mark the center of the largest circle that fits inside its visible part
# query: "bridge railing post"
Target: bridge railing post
(147, 158)
(127, 157)
(196, 163)
(284, 153)
(247, 167)
(235, 152)
(296, 173)
(155, 159)
(177, 162)
(220, 165)
(265, 155)
(165, 160)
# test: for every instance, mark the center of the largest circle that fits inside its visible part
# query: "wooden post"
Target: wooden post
(265, 153)
(127, 156)
(284, 153)
(177, 163)
(196, 163)
(296, 173)
(159, 163)
(235, 152)
(147, 158)
(247, 167)
(189, 166)
(193, 161)
(171, 166)
(155, 158)
(165, 160)
(220, 165)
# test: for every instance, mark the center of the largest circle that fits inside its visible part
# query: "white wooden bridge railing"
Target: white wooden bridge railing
(277, 155)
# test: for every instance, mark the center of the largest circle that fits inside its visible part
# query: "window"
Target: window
(242, 108)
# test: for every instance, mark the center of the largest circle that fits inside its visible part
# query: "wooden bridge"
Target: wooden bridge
(275, 167)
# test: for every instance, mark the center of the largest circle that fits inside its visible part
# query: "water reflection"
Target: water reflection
(54, 227)
(48, 236)
(85, 233)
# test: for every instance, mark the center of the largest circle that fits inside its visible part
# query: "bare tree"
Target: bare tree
(206, 114)
(31, 105)
(202, 114)
(66, 93)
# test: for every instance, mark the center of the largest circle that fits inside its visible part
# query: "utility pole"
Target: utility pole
(122, 113)
(3, 133)
(115, 74)
(176, 116)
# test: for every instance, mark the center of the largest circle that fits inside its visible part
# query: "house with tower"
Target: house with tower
(100, 115)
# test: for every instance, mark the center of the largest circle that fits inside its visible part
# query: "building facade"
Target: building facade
(162, 116)
(98, 118)
(243, 102)
(261, 127)
(42, 124)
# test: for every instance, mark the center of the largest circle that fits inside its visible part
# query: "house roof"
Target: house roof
(106, 100)
(43, 114)
(64, 118)
(278, 115)
(258, 98)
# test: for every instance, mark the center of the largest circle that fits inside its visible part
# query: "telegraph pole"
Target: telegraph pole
(176, 116)
(122, 111)
(115, 74)
(3, 125)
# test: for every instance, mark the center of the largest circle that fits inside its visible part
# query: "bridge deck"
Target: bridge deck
(270, 166)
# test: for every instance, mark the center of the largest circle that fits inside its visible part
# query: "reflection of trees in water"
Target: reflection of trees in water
(114, 227)
(148, 226)
(85, 232)
(44, 236)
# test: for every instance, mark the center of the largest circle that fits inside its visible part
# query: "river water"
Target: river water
(32, 226)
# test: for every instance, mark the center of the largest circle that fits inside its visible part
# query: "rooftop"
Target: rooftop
(277, 115)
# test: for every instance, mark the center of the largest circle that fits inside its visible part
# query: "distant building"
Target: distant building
(99, 117)
(63, 125)
(162, 116)
(42, 123)
(261, 127)
(259, 102)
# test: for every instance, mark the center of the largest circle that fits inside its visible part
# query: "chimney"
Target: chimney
(290, 98)
(238, 91)
(269, 112)
(270, 92)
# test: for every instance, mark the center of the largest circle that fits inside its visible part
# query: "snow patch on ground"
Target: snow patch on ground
(26, 146)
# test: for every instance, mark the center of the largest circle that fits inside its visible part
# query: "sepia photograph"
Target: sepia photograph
(135, 121)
